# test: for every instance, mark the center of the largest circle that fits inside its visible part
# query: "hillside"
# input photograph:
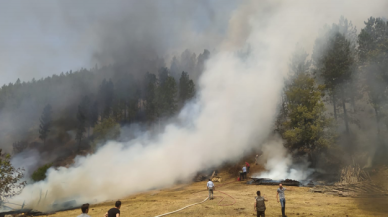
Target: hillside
(298, 83)
(300, 202)
(53, 119)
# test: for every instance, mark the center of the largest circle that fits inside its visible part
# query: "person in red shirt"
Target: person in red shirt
(247, 165)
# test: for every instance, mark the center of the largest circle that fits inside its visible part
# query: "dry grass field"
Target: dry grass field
(299, 202)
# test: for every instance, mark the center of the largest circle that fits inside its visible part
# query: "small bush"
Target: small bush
(40, 173)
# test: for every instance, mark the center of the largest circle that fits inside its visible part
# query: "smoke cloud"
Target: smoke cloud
(44, 38)
(234, 110)
(71, 34)
(279, 164)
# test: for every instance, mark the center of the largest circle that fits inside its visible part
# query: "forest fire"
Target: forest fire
(286, 93)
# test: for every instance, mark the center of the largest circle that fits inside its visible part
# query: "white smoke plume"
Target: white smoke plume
(234, 110)
(279, 163)
(28, 160)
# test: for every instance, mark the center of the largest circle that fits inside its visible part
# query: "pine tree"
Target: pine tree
(298, 64)
(81, 125)
(322, 45)
(106, 93)
(306, 129)
(336, 70)
(163, 75)
(86, 109)
(190, 89)
(373, 55)
(18, 83)
(45, 123)
(93, 114)
(166, 98)
(186, 87)
(371, 37)
(132, 108)
(109, 97)
(302, 122)
(150, 96)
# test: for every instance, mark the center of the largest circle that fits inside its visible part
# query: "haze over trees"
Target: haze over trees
(186, 88)
(303, 121)
(45, 122)
(334, 99)
(330, 99)
(74, 111)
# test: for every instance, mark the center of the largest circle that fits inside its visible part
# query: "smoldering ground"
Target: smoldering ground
(234, 109)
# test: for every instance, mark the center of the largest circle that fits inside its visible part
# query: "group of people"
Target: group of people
(113, 212)
(260, 205)
(259, 200)
(245, 168)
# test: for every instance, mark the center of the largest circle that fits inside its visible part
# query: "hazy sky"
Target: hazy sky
(35, 41)
(40, 38)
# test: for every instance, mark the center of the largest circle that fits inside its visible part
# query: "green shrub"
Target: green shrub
(40, 173)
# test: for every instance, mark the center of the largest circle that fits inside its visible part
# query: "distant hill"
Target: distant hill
(81, 100)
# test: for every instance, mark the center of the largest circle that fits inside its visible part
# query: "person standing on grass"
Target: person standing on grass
(85, 210)
(244, 170)
(280, 197)
(247, 165)
(260, 205)
(256, 159)
(114, 212)
(211, 188)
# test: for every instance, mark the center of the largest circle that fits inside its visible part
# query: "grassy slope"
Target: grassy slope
(300, 202)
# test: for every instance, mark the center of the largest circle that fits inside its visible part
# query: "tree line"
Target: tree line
(330, 98)
(80, 109)
(114, 106)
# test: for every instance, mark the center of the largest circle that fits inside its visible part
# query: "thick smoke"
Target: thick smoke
(72, 34)
(44, 38)
(234, 110)
(279, 164)
(28, 160)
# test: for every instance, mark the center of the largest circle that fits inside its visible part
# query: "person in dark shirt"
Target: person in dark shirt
(260, 205)
(114, 212)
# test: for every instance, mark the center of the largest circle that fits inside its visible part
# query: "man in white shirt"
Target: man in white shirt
(244, 170)
(85, 210)
(210, 187)
(282, 199)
